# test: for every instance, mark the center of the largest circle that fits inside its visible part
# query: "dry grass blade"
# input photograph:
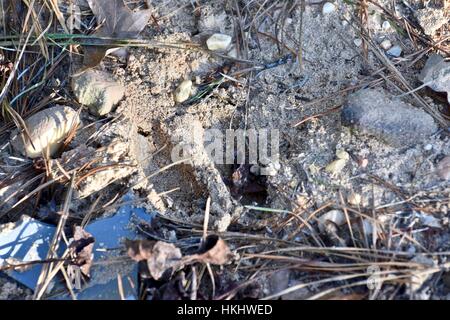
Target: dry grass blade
(47, 269)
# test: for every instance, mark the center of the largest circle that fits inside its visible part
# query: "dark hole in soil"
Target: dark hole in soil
(245, 186)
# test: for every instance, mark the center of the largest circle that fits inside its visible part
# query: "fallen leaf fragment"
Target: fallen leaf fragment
(162, 256)
(81, 250)
(165, 256)
(117, 21)
(215, 251)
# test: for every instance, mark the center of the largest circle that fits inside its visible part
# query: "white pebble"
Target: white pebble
(336, 166)
(328, 7)
(395, 51)
(428, 147)
(183, 92)
(386, 44)
(386, 26)
(342, 154)
(357, 42)
(354, 199)
(218, 42)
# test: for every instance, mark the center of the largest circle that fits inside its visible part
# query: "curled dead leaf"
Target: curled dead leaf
(116, 21)
(215, 251)
(162, 256)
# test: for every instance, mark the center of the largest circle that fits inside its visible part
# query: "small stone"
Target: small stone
(342, 154)
(336, 166)
(48, 129)
(428, 147)
(395, 51)
(301, 200)
(430, 221)
(354, 199)
(183, 92)
(98, 91)
(335, 216)
(364, 163)
(375, 112)
(386, 25)
(436, 74)
(431, 19)
(433, 63)
(386, 44)
(357, 42)
(328, 7)
(443, 168)
(218, 42)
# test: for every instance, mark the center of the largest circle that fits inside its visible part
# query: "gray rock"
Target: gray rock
(395, 51)
(98, 91)
(436, 74)
(443, 168)
(431, 19)
(375, 112)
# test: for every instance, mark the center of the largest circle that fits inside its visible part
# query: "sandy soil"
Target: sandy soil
(145, 123)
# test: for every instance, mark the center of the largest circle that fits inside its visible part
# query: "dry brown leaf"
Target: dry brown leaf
(214, 251)
(162, 256)
(81, 250)
(117, 21)
(165, 256)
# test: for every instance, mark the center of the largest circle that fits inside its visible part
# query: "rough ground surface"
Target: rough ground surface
(143, 128)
